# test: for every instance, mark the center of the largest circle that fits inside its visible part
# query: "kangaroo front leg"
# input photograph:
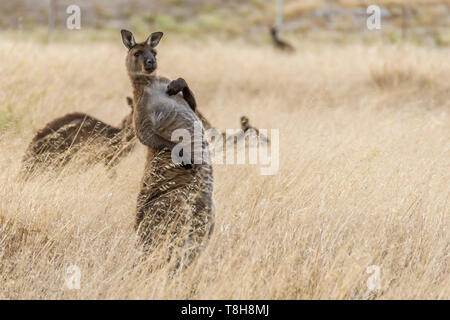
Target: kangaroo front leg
(180, 85)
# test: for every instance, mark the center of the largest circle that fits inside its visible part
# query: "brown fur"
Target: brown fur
(61, 139)
(175, 208)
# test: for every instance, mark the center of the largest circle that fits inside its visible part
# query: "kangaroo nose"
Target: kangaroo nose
(149, 62)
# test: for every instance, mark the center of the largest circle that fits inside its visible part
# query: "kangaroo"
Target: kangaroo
(279, 43)
(248, 129)
(61, 139)
(175, 206)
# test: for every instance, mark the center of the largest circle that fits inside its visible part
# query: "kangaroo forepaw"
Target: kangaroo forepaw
(176, 86)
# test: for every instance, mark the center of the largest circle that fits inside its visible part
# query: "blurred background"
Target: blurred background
(364, 148)
(418, 21)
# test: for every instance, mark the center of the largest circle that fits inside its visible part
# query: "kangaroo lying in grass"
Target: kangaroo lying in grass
(61, 139)
(175, 209)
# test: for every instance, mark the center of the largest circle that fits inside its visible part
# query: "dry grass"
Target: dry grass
(363, 180)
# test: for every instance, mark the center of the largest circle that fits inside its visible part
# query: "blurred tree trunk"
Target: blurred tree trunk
(51, 18)
(404, 22)
(279, 18)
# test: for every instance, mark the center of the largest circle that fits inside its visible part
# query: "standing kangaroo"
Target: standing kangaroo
(175, 208)
(61, 139)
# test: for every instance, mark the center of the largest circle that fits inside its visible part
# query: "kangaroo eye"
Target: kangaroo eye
(137, 54)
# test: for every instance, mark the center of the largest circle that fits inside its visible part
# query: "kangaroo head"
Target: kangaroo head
(244, 123)
(274, 31)
(141, 57)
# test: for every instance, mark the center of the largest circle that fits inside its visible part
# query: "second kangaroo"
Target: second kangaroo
(78, 133)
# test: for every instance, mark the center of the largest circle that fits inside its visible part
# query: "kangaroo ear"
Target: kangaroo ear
(130, 101)
(154, 38)
(128, 39)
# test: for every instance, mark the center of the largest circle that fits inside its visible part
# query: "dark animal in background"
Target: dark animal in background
(78, 134)
(248, 131)
(279, 43)
(175, 208)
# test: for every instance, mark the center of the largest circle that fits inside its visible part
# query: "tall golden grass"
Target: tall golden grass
(363, 179)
